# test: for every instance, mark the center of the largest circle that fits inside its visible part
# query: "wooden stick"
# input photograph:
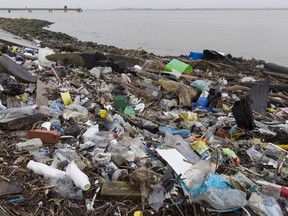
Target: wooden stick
(55, 73)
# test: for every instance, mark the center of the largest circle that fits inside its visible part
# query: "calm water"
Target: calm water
(262, 34)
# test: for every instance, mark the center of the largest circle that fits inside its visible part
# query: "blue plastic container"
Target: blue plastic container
(194, 55)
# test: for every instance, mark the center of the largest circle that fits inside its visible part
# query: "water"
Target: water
(261, 34)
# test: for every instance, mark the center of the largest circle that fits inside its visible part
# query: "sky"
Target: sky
(159, 4)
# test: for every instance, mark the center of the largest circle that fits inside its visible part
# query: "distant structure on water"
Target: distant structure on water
(50, 10)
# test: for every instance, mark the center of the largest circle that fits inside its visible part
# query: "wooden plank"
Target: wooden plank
(41, 99)
(120, 190)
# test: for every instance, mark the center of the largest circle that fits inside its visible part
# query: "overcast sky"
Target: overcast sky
(112, 4)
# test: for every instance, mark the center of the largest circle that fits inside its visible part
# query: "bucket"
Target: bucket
(178, 66)
(194, 55)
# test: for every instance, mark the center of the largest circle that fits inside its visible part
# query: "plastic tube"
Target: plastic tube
(45, 170)
(79, 178)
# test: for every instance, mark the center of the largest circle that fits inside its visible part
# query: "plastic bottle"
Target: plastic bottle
(45, 170)
(260, 158)
(31, 144)
(90, 132)
(17, 112)
(76, 107)
(79, 178)
(49, 111)
(216, 140)
(194, 177)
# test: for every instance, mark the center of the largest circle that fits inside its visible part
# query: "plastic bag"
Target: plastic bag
(224, 198)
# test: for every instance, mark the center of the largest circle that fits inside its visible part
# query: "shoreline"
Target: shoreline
(57, 40)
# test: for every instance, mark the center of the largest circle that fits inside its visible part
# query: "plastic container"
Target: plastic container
(194, 55)
(45, 170)
(31, 144)
(178, 66)
(49, 111)
(79, 178)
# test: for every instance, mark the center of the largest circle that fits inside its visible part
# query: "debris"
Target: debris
(9, 66)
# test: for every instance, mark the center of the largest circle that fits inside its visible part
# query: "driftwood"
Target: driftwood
(22, 122)
(185, 93)
(7, 65)
(41, 99)
(276, 74)
(277, 68)
(135, 90)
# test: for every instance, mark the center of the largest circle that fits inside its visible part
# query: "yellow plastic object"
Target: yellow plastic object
(178, 66)
(138, 213)
(66, 98)
(270, 110)
(103, 113)
(189, 116)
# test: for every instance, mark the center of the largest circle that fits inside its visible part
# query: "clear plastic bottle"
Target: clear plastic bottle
(17, 112)
(54, 113)
(31, 144)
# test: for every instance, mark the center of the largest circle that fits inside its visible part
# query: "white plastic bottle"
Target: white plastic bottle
(45, 170)
(79, 178)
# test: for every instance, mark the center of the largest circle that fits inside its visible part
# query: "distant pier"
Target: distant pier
(50, 10)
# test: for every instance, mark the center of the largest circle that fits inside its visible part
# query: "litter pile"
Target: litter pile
(104, 134)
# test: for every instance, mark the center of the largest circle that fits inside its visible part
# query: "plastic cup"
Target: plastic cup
(179, 66)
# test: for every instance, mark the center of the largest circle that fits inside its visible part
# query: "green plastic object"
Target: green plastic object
(129, 111)
(178, 66)
(230, 153)
(120, 102)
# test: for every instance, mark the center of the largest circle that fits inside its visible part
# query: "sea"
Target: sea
(249, 33)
